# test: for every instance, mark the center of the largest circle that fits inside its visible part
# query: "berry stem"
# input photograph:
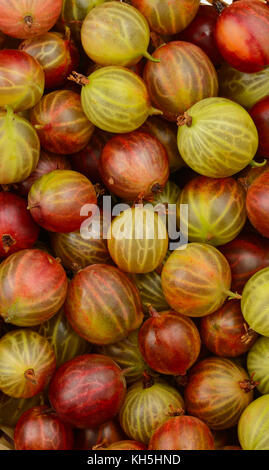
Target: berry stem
(78, 78)
(254, 164)
(29, 374)
(233, 295)
(29, 21)
(148, 56)
(148, 380)
(184, 119)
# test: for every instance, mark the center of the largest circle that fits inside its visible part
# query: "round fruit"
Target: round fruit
(19, 148)
(201, 32)
(87, 160)
(127, 355)
(169, 343)
(87, 391)
(60, 122)
(63, 339)
(122, 27)
(74, 12)
(184, 76)
(258, 364)
(148, 404)
(103, 305)
(57, 55)
(27, 362)
(11, 409)
(253, 427)
(254, 303)
(56, 199)
(119, 91)
(182, 433)
(28, 18)
(167, 16)
(166, 133)
(216, 209)
(33, 287)
(246, 255)
(260, 116)
(257, 204)
(46, 163)
(196, 280)
(217, 137)
(225, 332)
(241, 34)
(134, 165)
(125, 445)
(138, 240)
(22, 80)
(217, 392)
(40, 429)
(77, 252)
(244, 88)
(110, 432)
(150, 289)
(17, 228)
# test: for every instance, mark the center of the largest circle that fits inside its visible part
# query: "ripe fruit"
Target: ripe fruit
(169, 343)
(28, 18)
(148, 403)
(33, 287)
(46, 163)
(122, 27)
(57, 55)
(87, 391)
(27, 362)
(139, 240)
(216, 209)
(260, 116)
(17, 228)
(120, 91)
(246, 255)
(253, 427)
(60, 122)
(257, 363)
(22, 80)
(182, 433)
(217, 392)
(212, 143)
(65, 342)
(55, 200)
(196, 280)
(150, 289)
(134, 165)
(167, 16)
(257, 204)
(225, 332)
(77, 253)
(254, 303)
(127, 355)
(183, 76)
(109, 432)
(40, 429)
(166, 133)
(87, 160)
(241, 34)
(19, 148)
(103, 305)
(201, 32)
(244, 88)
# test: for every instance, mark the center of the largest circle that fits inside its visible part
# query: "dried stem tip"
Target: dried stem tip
(29, 21)
(248, 385)
(78, 78)
(148, 381)
(184, 119)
